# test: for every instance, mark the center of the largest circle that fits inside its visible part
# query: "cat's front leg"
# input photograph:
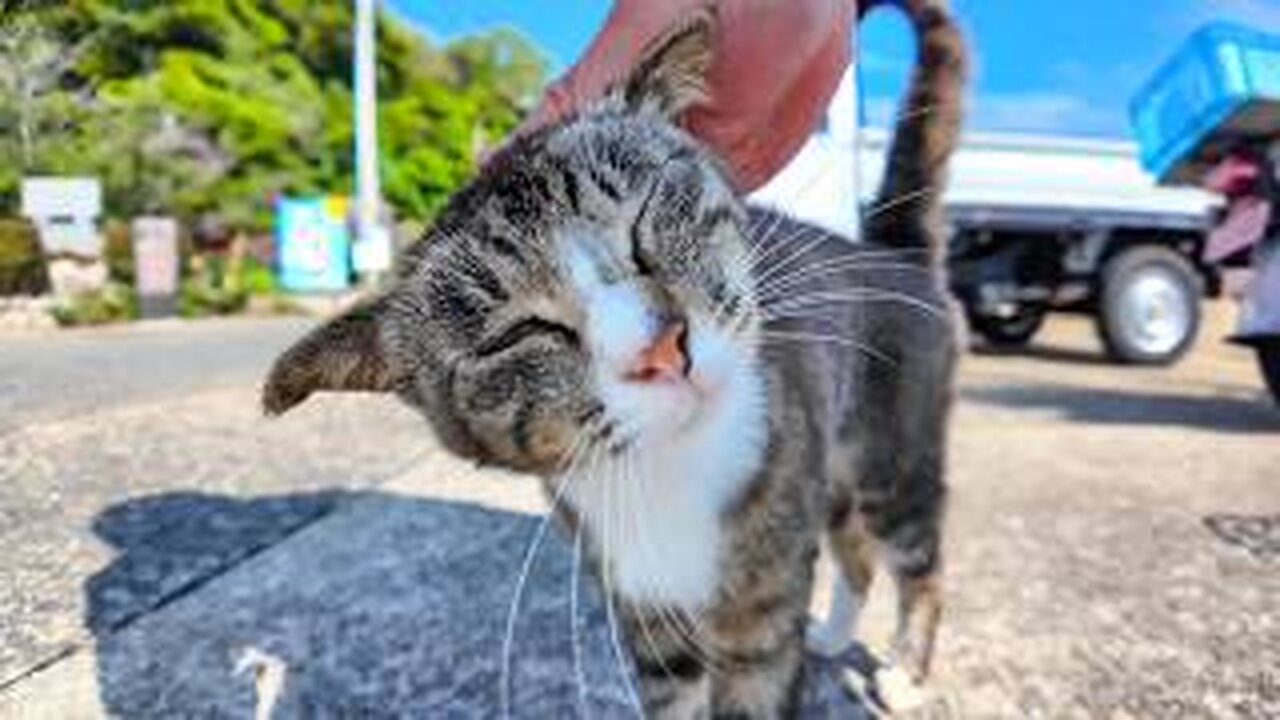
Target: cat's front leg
(761, 658)
(672, 663)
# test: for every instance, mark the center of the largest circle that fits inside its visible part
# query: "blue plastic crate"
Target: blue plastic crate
(1222, 87)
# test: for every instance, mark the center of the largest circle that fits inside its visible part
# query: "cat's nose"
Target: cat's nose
(665, 359)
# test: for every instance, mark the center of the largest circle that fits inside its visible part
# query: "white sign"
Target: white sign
(372, 254)
(65, 212)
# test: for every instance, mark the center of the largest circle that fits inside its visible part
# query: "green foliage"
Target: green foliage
(257, 278)
(200, 299)
(189, 107)
(22, 270)
(117, 252)
(224, 285)
(114, 303)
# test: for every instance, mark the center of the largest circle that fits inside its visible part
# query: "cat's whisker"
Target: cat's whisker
(853, 257)
(768, 336)
(808, 184)
(673, 627)
(662, 613)
(832, 308)
(674, 621)
(775, 309)
(898, 201)
(856, 257)
(610, 613)
(531, 552)
(824, 294)
(767, 246)
(575, 577)
(757, 246)
(922, 111)
(836, 266)
(628, 480)
(763, 273)
(797, 251)
(514, 609)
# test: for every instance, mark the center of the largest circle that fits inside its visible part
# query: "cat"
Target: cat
(705, 388)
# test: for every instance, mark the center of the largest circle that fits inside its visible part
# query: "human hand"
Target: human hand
(777, 64)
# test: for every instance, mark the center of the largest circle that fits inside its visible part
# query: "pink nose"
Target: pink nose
(663, 360)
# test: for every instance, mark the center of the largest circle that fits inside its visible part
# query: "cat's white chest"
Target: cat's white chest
(656, 516)
(660, 536)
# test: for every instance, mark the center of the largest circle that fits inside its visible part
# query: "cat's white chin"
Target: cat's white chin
(699, 442)
(720, 384)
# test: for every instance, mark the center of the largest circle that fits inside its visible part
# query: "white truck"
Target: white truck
(1039, 224)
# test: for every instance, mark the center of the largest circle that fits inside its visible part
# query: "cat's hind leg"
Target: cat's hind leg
(902, 501)
(850, 548)
(913, 553)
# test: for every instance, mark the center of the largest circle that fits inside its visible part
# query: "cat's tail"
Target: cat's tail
(907, 213)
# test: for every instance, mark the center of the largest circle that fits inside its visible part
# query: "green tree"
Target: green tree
(217, 106)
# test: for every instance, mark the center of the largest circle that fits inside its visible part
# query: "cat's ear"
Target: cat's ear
(346, 354)
(672, 74)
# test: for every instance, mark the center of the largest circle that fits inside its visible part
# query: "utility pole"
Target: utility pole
(372, 250)
(856, 110)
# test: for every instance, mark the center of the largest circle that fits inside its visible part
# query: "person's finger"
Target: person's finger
(759, 118)
(776, 65)
(630, 27)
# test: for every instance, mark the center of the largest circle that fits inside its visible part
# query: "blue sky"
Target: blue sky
(1042, 65)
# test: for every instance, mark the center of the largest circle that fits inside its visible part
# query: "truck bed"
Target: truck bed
(1005, 178)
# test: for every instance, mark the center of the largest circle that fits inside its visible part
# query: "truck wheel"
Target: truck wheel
(1150, 306)
(1010, 332)
(1269, 362)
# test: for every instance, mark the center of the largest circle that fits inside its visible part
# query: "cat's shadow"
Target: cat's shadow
(368, 605)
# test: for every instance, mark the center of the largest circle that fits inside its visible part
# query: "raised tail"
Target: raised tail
(907, 213)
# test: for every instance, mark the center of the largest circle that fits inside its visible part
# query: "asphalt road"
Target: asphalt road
(60, 375)
(1114, 540)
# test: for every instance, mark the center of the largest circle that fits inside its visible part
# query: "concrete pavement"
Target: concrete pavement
(1112, 550)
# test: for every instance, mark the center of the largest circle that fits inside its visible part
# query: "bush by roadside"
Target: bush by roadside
(22, 269)
(114, 303)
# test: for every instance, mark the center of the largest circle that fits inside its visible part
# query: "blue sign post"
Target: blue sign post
(313, 244)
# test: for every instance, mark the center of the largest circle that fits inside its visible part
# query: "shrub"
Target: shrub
(113, 303)
(22, 268)
(257, 278)
(117, 251)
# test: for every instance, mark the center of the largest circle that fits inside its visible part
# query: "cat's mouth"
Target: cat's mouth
(669, 410)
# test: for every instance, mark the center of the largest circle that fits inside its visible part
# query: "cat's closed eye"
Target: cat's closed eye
(640, 259)
(524, 329)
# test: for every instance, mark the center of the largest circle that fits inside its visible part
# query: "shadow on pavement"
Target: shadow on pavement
(1259, 535)
(369, 605)
(1127, 407)
(1046, 353)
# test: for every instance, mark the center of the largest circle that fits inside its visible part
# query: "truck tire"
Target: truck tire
(1149, 310)
(1269, 363)
(1013, 332)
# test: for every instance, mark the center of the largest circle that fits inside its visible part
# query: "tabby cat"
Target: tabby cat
(704, 387)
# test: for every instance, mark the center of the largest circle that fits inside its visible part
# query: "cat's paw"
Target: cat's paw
(827, 640)
(898, 692)
(888, 692)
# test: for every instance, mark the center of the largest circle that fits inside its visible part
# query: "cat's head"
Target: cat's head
(591, 285)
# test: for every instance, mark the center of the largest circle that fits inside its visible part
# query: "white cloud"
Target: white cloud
(1055, 112)
(1262, 14)
(1047, 112)
(880, 111)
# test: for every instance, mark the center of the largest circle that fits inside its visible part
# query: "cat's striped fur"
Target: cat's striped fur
(816, 382)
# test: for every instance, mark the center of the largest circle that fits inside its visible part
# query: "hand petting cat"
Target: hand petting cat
(776, 68)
